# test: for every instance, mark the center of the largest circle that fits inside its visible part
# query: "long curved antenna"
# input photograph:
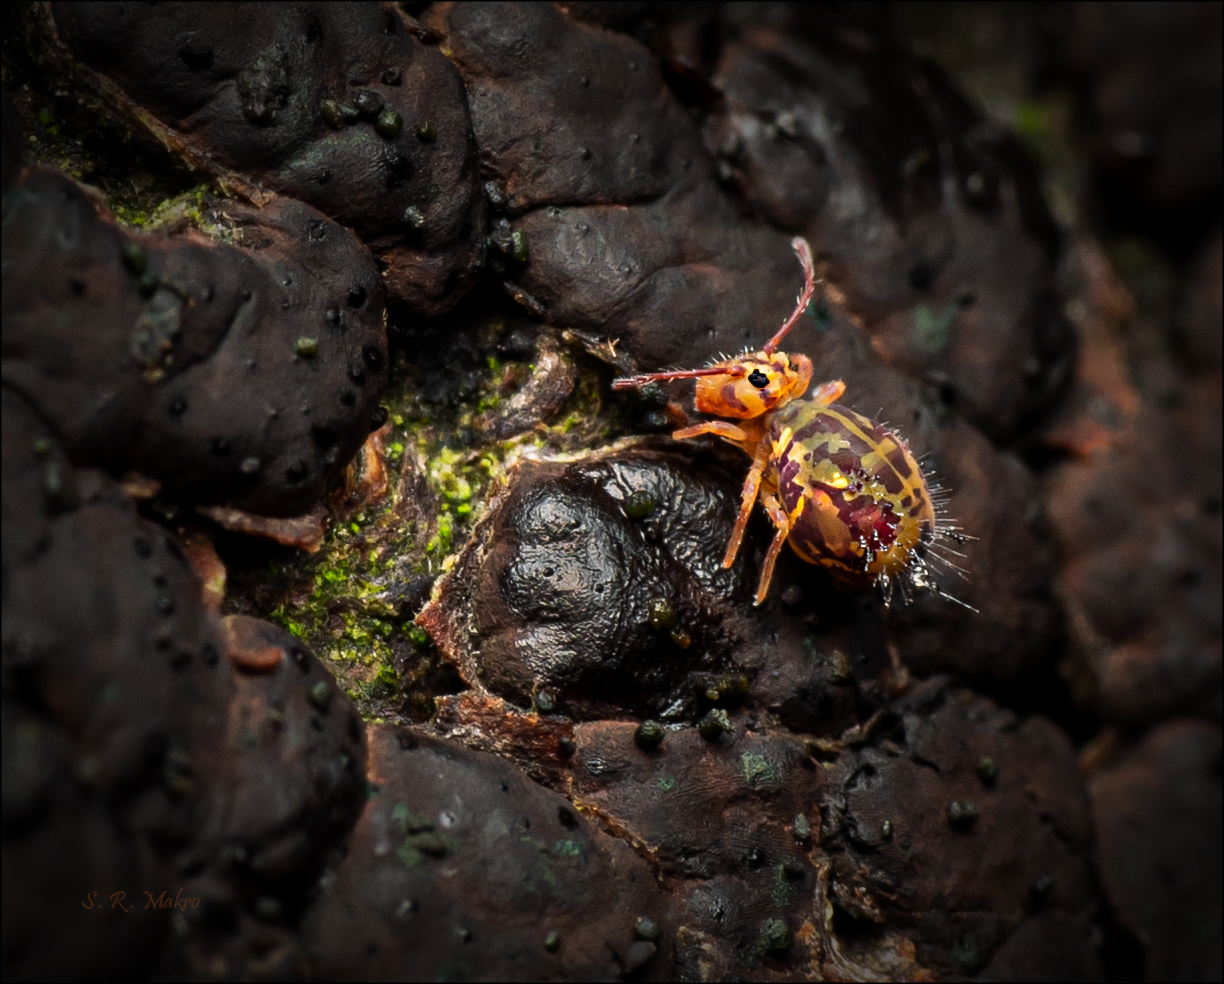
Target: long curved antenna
(804, 251)
(629, 382)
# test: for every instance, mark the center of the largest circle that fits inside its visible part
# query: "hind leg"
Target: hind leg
(782, 527)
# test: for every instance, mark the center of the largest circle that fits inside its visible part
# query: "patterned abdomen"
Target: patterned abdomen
(855, 495)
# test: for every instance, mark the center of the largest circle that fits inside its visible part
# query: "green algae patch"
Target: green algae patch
(353, 602)
(933, 329)
(785, 887)
(757, 770)
(200, 207)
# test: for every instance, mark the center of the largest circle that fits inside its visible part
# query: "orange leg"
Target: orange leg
(782, 525)
(728, 432)
(829, 392)
(751, 484)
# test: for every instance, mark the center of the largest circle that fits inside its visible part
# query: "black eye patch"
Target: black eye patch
(758, 379)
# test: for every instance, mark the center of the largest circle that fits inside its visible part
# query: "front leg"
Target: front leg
(719, 428)
(760, 459)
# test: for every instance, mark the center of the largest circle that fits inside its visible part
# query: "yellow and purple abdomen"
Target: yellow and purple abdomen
(856, 496)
